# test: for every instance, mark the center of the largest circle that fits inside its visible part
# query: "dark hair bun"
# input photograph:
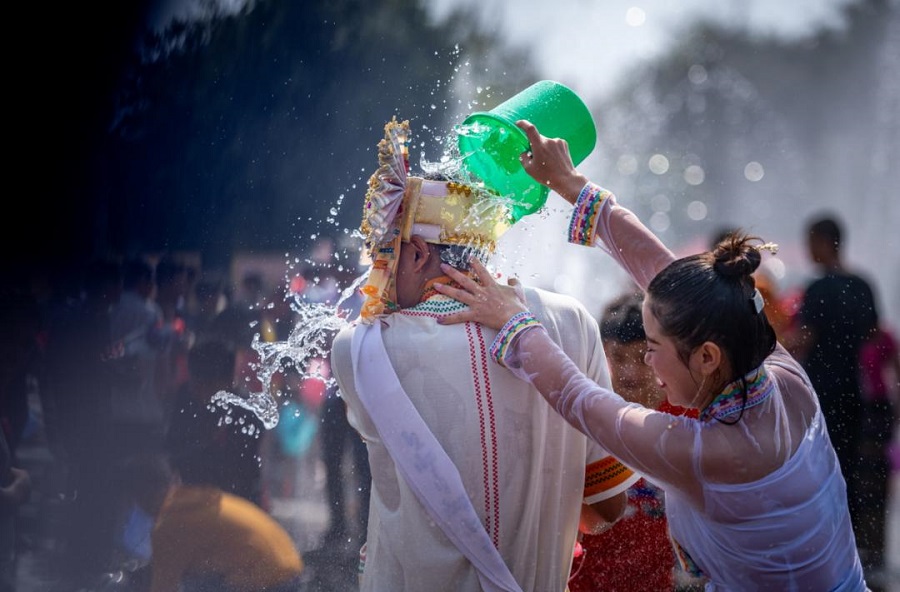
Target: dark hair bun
(736, 255)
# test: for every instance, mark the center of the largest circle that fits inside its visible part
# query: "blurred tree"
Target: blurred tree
(767, 123)
(254, 130)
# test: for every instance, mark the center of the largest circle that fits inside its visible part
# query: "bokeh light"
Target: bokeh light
(658, 164)
(754, 171)
(627, 164)
(635, 16)
(694, 175)
(697, 210)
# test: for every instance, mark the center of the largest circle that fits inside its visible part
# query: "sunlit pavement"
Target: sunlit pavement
(331, 566)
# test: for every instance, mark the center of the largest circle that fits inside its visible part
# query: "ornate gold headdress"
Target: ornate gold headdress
(398, 206)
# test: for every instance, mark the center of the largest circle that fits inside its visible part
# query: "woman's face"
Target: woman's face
(673, 376)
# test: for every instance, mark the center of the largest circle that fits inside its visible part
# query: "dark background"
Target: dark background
(239, 132)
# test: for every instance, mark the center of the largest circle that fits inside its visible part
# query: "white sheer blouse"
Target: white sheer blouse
(758, 505)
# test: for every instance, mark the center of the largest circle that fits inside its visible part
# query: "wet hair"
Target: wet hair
(721, 235)
(621, 320)
(710, 297)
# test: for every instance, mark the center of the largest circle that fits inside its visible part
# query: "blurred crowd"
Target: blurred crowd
(112, 365)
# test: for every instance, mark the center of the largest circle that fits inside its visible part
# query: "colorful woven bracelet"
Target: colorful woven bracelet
(586, 214)
(515, 325)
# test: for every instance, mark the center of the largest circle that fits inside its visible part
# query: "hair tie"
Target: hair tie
(757, 301)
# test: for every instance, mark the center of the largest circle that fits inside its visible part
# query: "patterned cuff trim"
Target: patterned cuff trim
(516, 324)
(584, 220)
(605, 478)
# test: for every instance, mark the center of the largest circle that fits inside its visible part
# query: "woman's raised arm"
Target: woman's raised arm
(597, 219)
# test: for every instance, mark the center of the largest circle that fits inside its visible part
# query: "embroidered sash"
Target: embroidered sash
(421, 459)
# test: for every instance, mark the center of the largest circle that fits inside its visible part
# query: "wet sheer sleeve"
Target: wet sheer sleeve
(652, 443)
(598, 220)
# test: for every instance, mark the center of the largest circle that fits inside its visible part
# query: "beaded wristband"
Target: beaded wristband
(586, 214)
(515, 325)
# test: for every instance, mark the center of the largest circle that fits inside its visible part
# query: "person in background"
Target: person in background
(209, 300)
(837, 314)
(342, 450)
(754, 493)
(21, 358)
(879, 363)
(76, 394)
(345, 457)
(239, 323)
(636, 548)
(20, 366)
(207, 540)
(135, 324)
(285, 447)
(15, 490)
(173, 280)
(209, 444)
(472, 489)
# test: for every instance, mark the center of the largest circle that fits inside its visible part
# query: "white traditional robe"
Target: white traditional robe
(522, 465)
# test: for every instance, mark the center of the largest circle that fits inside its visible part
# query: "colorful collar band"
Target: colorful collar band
(429, 291)
(731, 401)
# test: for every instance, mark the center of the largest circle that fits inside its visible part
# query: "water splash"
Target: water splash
(317, 323)
(452, 166)
(308, 343)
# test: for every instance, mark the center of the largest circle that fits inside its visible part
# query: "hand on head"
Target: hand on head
(548, 162)
(490, 303)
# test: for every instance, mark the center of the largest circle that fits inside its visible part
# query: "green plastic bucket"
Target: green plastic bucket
(490, 142)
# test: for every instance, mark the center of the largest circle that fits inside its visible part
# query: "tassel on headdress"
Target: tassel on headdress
(398, 206)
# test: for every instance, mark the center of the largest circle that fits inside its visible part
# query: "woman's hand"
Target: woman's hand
(548, 162)
(490, 303)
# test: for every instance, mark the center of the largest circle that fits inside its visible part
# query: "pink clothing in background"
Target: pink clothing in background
(875, 357)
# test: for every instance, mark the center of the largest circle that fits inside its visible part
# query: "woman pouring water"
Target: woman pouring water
(754, 493)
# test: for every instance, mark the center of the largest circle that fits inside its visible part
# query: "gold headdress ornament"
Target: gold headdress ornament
(398, 206)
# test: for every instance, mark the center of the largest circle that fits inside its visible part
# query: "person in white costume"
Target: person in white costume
(754, 493)
(471, 489)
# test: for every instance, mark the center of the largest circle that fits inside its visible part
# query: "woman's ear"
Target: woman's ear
(710, 358)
